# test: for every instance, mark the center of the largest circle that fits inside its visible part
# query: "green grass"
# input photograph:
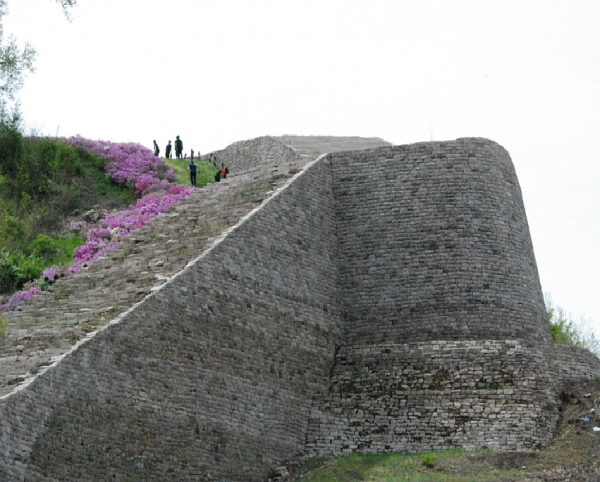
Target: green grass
(56, 251)
(3, 325)
(205, 172)
(104, 186)
(445, 466)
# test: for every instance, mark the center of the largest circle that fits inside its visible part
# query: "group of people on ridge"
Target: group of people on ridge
(178, 149)
(220, 174)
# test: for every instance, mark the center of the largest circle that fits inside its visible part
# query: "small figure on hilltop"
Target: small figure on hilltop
(192, 154)
(223, 173)
(178, 148)
(218, 176)
(192, 169)
(168, 151)
(156, 149)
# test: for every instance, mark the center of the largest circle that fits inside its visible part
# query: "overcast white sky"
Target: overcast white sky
(525, 74)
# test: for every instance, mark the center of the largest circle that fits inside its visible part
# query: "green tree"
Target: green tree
(568, 330)
(15, 62)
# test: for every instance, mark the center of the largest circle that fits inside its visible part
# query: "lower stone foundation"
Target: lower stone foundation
(434, 396)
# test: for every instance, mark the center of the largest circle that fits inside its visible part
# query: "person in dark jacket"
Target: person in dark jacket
(192, 169)
(156, 149)
(218, 176)
(168, 151)
(178, 148)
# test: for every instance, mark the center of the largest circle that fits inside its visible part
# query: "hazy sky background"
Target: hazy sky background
(525, 74)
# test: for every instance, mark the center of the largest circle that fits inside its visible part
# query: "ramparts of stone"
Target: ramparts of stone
(48, 326)
(381, 300)
(212, 375)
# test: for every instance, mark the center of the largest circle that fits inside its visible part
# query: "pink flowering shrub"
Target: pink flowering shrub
(120, 225)
(134, 166)
(129, 163)
(21, 297)
(51, 272)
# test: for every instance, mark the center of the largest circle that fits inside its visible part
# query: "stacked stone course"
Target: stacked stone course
(380, 300)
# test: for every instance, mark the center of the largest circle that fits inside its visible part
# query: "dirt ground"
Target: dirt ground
(574, 454)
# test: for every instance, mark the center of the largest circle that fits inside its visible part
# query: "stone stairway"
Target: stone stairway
(49, 325)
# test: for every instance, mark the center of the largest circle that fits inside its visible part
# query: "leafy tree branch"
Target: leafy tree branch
(568, 330)
(15, 62)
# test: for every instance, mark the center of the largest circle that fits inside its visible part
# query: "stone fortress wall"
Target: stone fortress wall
(380, 300)
(434, 245)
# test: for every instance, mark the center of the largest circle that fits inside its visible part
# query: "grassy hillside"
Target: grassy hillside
(43, 184)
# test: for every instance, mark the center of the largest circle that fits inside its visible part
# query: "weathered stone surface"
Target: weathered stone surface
(383, 299)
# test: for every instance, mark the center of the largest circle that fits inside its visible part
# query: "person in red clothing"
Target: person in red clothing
(224, 173)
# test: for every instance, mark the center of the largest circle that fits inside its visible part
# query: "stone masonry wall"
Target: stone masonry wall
(269, 151)
(434, 396)
(434, 245)
(571, 363)
(212, 376)
(49, 325)
(446, 343)
(385, 300)
(496, 394)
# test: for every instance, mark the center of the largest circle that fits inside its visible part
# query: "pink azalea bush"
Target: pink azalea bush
(51, 272)
(134, 166)
(21, 297)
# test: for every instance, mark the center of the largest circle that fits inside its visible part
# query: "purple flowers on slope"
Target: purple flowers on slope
(20, 297)
(132, 165)
(118, 226)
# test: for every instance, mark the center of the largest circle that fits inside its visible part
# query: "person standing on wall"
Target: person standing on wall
(192, 169)
(156, 149)
(168, 151)
(178, 148)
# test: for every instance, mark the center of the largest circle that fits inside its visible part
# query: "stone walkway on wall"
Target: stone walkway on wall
(51, 324)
